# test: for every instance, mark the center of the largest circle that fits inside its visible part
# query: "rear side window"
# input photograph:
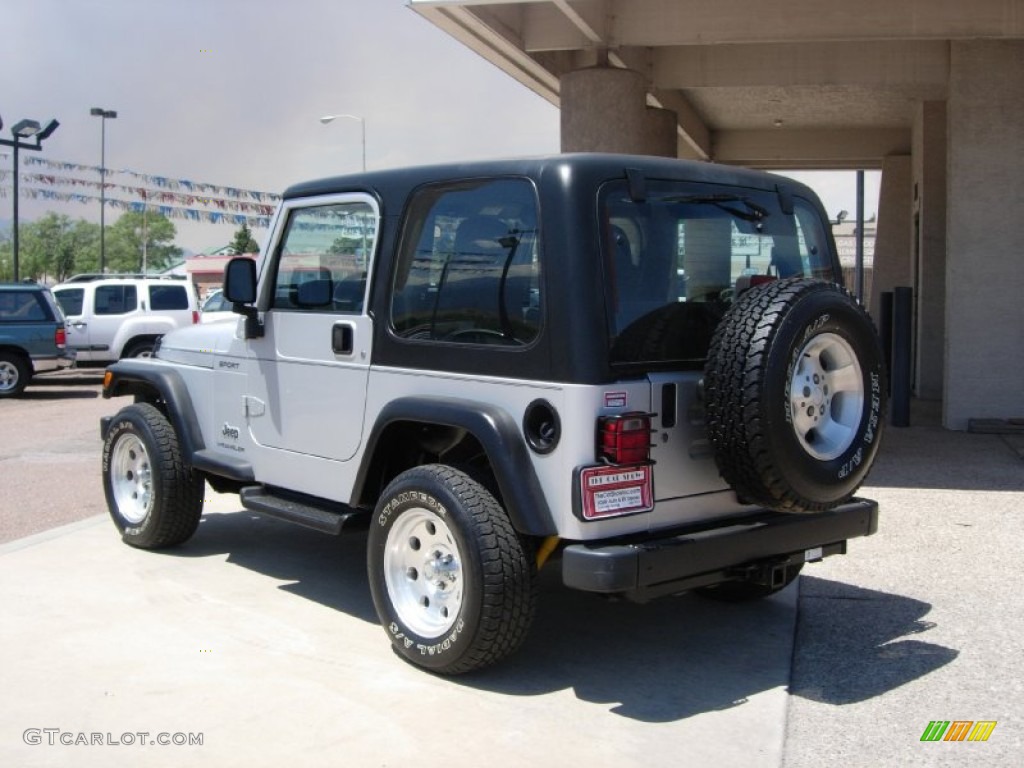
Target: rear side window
(469, 266)
(165, 297)
(22, 306)
(70, 300)
(675, 261)
(116, 299)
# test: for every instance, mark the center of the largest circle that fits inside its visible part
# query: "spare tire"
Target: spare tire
(795, 395)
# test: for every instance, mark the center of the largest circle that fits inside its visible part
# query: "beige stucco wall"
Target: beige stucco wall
(985, 252)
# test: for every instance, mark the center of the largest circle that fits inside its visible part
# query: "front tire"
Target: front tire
(450, 579)
(154, 498)
(141, 349)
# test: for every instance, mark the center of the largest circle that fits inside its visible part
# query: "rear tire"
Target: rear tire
(15, 373)
(154, 498)
(451, 580)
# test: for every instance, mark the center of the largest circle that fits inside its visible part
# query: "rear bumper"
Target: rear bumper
(741, 549)
(53, 363)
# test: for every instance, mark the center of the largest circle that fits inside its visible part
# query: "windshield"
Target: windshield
(675, 261)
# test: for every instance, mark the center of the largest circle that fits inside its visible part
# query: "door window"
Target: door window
(70, 300)
(323, 258)
(115, 299)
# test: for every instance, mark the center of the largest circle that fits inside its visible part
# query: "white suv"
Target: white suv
(111, 316)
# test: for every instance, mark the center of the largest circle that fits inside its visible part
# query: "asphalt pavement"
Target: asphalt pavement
(259, 640)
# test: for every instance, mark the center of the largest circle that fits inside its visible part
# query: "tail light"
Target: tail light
(624, 438)
(60, 338)
(195, 316)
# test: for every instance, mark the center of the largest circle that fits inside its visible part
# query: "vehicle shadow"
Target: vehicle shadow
(852, 643)
(657, 662)
(678, 657)
(330, 570)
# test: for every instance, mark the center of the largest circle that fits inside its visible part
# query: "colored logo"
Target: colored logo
(958, 730)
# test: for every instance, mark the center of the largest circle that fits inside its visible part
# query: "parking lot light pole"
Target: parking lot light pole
(103, 114)
(362, 125)
(23, 129)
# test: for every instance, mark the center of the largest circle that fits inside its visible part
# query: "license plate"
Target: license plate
(614, 491)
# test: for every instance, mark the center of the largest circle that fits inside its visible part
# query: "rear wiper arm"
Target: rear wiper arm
(754, 212)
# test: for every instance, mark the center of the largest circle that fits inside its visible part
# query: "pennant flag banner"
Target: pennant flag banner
(161, 182)
(171, 212)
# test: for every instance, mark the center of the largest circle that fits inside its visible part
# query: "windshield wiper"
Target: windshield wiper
(754, 213)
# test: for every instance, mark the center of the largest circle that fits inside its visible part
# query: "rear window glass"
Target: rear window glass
(22, 306)
(469, 265)
(167, 297)
(675, 261)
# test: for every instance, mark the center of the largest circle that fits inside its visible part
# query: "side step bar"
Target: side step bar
(326, 517)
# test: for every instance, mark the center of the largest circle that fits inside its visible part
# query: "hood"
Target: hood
(197, 344)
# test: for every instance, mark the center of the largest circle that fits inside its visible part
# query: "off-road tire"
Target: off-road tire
(15, 373)
(154, 497)
(451, 580)
(795, 395)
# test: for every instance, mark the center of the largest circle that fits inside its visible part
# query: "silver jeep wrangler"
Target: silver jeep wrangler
(642, 371)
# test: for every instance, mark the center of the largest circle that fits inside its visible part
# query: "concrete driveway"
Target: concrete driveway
(260, 639)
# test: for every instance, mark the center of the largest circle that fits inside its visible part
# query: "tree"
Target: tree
(244, 242)
(125, 239)
(52, 248)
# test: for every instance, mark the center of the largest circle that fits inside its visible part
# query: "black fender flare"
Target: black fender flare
(136, 377)
(501, 439)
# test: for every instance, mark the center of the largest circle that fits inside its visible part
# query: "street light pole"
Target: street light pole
(362, 125)
(103, 114)
(23, 129)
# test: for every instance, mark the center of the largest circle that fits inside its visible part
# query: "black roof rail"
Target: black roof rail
(88, 277)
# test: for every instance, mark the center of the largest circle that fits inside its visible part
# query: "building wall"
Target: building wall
(984, 258)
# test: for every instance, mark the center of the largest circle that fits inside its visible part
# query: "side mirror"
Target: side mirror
(240, 281)
(240, 290)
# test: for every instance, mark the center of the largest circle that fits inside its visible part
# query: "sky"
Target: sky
(229, 92)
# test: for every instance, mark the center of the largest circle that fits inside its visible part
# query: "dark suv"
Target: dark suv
(32, 336)
(642, 370)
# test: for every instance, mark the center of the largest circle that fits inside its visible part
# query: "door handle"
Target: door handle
(79, 324)
(342, 338)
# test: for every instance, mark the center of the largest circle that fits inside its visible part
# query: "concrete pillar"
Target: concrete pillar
(662, 134)
(929, 232)
(892, 237)
(604, 109)
(984, 374)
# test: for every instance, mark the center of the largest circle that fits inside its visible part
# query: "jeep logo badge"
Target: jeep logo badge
(229, 431)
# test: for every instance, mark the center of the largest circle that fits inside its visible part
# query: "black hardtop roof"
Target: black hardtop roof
(23, 286)
(590, 166)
